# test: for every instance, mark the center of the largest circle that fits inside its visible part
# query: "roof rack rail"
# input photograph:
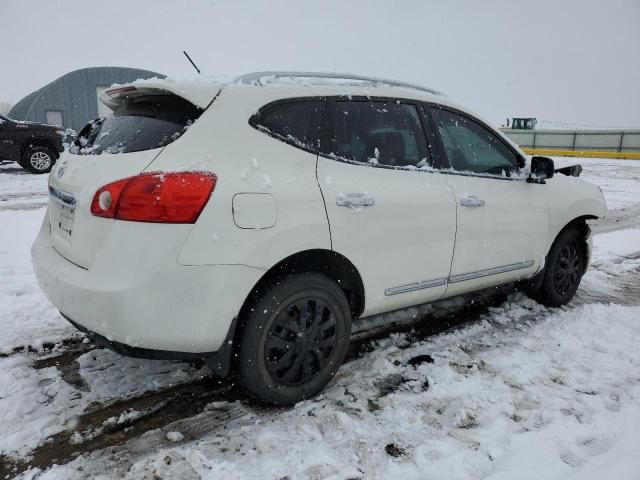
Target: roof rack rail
(255, 79)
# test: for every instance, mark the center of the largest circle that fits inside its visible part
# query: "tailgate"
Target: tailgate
(75, 233)
(108, 149)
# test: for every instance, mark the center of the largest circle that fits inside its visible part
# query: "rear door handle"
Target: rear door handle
(471, 201)
(355, 200)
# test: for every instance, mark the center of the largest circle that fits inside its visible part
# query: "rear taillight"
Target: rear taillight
(105, 200)
(175, 197)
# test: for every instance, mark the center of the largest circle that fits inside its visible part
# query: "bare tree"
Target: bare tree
(5, 106)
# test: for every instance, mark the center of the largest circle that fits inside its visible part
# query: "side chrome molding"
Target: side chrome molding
(438, 282)
(490, 271)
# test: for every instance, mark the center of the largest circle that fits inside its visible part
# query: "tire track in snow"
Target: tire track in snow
(103, 426)
(186, 405)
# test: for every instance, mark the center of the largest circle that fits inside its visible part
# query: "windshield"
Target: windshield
(142, 123)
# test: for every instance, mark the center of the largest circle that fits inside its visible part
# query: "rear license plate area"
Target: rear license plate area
(61, 215)
(65, 220)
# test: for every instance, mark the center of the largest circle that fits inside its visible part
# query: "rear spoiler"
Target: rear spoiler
(570, 171)
(199, 92)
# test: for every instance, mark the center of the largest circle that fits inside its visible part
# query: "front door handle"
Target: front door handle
(471, 201)
(355, 200)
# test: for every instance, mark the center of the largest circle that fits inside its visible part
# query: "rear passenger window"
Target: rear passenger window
(379, 133)
(298, 123)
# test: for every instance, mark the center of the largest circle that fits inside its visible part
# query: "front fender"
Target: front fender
(571, 199)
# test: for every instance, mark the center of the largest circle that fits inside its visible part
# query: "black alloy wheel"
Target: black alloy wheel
(565, 265)
(568, 269)
(293, 338)
(300, 341)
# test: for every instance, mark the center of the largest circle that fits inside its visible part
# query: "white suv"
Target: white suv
(251, 223)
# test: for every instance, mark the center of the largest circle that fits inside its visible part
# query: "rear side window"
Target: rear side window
(295, 122)
(142, 123)
(380, 133)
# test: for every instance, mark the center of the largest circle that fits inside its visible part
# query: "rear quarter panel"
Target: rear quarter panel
(246, 160)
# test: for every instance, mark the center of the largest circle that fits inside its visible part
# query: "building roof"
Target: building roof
(25, 108)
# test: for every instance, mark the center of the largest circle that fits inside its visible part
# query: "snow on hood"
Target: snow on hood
(200, 91)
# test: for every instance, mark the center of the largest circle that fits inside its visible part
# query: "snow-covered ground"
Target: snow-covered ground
(26, 317)
(508, 389)
(619, 179)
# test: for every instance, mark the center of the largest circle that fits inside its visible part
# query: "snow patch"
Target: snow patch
(175, 436)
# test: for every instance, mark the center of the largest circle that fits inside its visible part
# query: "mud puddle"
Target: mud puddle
(51, 350)
(113, 425)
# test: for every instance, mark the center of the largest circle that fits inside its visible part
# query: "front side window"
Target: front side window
(295, 122)
(470, 147)
(379, 133)
(142, 123)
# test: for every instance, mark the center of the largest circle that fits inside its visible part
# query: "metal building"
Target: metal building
(72, 100)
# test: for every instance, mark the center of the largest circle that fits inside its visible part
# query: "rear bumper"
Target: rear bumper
(137, 352)
(219, 362)
(160, 307)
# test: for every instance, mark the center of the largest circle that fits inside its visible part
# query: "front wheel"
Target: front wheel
(294, 339)
(37, 159)
(565, 266)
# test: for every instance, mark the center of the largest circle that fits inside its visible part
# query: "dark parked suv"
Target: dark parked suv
(34, 146)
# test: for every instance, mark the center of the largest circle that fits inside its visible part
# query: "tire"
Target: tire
(37, 159)
(294, 338)
(566, 264)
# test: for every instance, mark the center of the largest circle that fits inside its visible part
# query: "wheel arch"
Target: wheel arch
(39, 142)
(580, 223)
(334, 265)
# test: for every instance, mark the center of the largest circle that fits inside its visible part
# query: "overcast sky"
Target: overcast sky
(575, 61)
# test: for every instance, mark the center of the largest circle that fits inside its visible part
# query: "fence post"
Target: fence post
(573, 144)
(533, 145)
(621, 139)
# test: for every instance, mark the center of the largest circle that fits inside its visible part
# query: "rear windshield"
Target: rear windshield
(142, 123)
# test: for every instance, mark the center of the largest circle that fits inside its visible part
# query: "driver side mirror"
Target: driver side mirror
(541, 169)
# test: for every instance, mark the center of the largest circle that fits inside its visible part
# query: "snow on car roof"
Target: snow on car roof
(322, 78)
(202, 90)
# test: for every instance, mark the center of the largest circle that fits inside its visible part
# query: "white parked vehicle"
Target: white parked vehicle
(251, 223)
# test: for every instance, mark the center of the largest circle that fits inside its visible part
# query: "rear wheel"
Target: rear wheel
(294, 339)
(565, 266)
(37, 159)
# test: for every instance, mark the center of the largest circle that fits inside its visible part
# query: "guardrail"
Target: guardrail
(580, 143)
